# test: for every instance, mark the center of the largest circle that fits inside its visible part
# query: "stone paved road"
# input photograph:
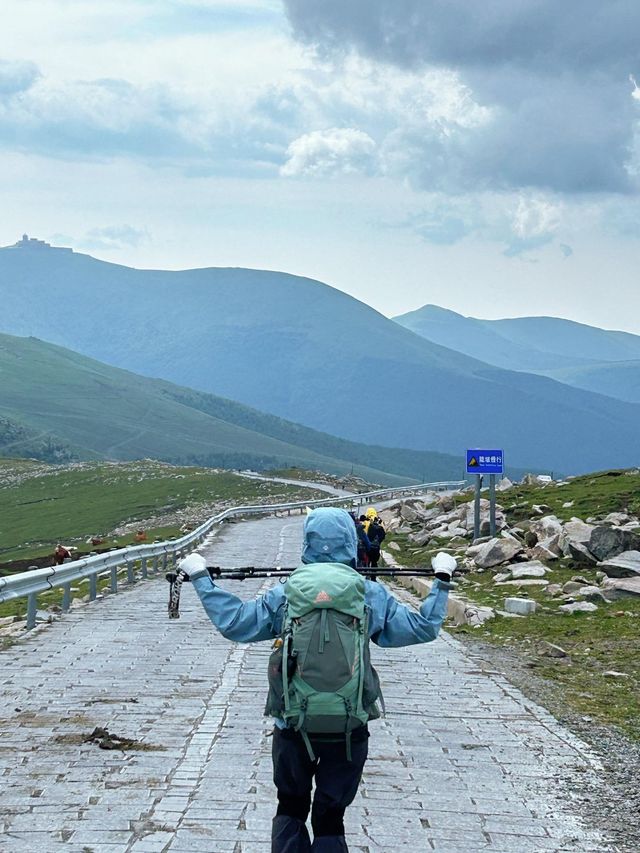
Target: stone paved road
(462, 763)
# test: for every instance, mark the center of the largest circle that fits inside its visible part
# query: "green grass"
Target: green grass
(607, 639)
(591, 495)
(73, 503)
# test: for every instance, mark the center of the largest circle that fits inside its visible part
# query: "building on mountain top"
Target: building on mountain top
(32, 243)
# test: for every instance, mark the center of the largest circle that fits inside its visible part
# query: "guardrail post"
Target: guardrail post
(66, 597)
(154, 564)
(174, 558)
(114, 579)
(165, 560)
(93, 586)
(143, 566)
(32, 606)
(131, 577)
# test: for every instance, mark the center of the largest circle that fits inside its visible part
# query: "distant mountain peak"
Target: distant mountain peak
(430, 311)
(32, 244)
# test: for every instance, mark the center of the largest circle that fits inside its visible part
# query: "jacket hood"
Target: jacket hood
(329, 537)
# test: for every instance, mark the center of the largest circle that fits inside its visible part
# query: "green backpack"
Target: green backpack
(321, 680)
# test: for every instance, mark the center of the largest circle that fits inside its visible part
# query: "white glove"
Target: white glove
(443, 564)
(194, 566)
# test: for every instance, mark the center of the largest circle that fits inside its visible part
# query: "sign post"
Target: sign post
(481, 462)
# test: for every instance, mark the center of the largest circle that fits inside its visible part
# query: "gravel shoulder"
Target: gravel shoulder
(614, 805)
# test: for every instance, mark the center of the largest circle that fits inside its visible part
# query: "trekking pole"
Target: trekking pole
(176, 579)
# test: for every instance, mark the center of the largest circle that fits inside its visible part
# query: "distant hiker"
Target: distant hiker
(322, 687)
(376, 534)
(370, 515)
(61, 554)
(363, 542)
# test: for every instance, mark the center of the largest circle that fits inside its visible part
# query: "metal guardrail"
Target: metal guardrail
(156, 557)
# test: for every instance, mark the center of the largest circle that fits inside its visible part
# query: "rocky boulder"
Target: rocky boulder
(532, 569)
(421, 538)
(546, 527)
(625, 565)
(575, 530)
(614, 589)
(606, 542)
(497, 551)
(616, 518)
(581, 554)
(408, 513)
(578, 607)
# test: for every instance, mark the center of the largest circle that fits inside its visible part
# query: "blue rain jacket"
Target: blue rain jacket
(329, 536)
(391, 623)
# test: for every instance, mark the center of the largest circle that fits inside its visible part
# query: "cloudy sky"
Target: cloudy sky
(483, 157)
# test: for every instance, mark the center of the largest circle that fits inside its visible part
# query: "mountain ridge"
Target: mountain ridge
(303, 351)
(534, 344)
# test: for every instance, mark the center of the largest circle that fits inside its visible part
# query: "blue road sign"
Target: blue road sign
(485, 461)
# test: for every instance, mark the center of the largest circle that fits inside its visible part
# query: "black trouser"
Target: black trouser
(374, 556)
(337, 783)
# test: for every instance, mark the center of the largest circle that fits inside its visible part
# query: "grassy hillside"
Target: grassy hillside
(306, 352)
(41, 504)
(56, 404)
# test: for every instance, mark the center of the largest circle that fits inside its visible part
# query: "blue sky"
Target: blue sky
(406, 152)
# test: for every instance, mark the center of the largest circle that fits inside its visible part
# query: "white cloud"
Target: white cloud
(520, 223)
(328, 152)
(535, 217)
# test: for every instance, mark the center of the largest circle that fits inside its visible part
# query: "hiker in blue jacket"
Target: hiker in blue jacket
(329, 537)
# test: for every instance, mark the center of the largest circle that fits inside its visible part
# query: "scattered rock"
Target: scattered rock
(525, 582)
(43, 616)
(546, 527)
(532, 569)
(550, 650)
(624, 565)
(421, 538)
(616, 518)
(553, 589)
(607, 542)
(501, 577)
(592, 593)
(614, 589)
(497, 551)
(578, 529)
(542, 552)
(521, 606)
(581, 554)
(394, 546)
(578, 607)
(572, 586)
(504, 484)
(613, 673)
(462, 612)
(408, 513)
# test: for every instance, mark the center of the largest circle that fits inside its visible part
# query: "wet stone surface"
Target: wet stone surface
(463, 762)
